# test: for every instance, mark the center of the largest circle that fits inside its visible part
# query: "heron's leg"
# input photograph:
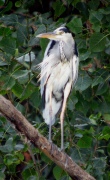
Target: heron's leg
(66, 94)
(50, 130)
(50, 114)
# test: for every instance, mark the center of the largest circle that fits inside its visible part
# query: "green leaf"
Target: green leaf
(17, 89)
(29, 89)
(93, 4)
(84, 55)
(106, 117)
(106, 137)
(97, 42)
(18, 3)
(22, 34)
(20, 107)
(76, 156)
(2, 176)
(97, 80)
(96, 27)
(83, 8)
(21, 75)
(105, 133)
(20, 156)
(9, 83)
(43, 44)
(75, 25)
(7, 7)
(41, 29)
(5, 31)
(59, 8)
(95, 16)
(85, 142)
(102, 88)
(106, 130)
(33, 178)
(8, 45)
(10, 159)
(29, 172)
(42, 178)
(10, 20)
(71, 102)
(83, 82)
(35, 98)
(19, 147)
(57, 171)
(99, 163)
(9, 144)
(46, 159)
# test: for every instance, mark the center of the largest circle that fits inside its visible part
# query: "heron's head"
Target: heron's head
(61, 33)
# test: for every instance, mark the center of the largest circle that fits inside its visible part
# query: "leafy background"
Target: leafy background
(87, 119)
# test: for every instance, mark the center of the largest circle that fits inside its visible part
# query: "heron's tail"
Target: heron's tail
(50, 115)
(49, 118)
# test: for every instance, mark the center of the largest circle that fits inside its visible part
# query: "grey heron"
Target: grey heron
(59, 73)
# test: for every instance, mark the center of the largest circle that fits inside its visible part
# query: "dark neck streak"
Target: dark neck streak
(62, 55)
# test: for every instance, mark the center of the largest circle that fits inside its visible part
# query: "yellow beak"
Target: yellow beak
(50, 35)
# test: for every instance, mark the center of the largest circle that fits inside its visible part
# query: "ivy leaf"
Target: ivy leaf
(30, 174)
(10, 20)
(75, 25)
(85, 142)
(106, 117)
(93, 4)
(35, 98)
(83, 8)
(17, 89)
(95, 16)
(40, 29)
(43, 44)
(99, 163)
(84, 55)
(2, 176)
(8, 45)
(21, 75)
(102, 88)
(21, 34)
(30, 88)
(97, 42)
(83, 82)
(18, 3)
(76, 155)
(59, 8)
(97, 80)
(57, 171)
(9, 83)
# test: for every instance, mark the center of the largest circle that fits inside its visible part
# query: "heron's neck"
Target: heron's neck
(62, 54)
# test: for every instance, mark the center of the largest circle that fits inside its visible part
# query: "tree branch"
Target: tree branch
(51, 150)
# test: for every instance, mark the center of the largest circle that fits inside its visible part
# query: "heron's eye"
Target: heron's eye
(60, 32)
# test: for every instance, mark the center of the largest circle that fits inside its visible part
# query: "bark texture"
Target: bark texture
(50, 150)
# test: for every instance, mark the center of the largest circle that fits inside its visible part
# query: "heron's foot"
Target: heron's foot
(66, 158)
(52, 148)
(62, 149)
(50, 140)
(66, 161)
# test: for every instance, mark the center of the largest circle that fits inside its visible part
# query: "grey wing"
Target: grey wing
(75, 67)
(43, 67)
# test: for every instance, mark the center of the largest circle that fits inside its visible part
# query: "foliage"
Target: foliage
(87, 119)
